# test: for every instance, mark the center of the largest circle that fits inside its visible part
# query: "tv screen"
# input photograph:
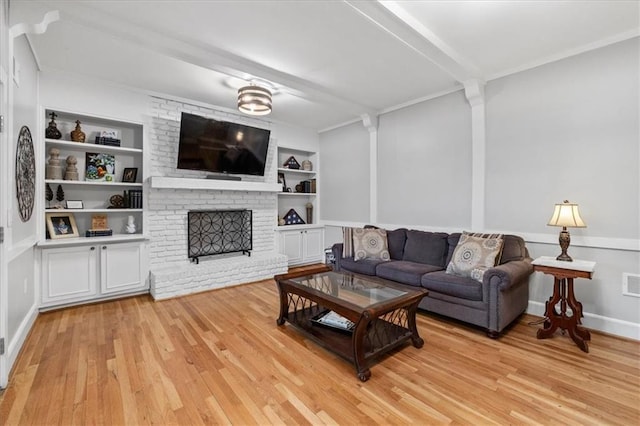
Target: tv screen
(221, 147)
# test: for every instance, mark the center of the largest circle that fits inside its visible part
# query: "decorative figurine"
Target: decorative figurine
(52, 131)
(72, 171)
(78, 135)
(131, 226)
(307, 165)
(48, 195)
(59, 197)
(309, 207)
(54, 169)
(116, 201)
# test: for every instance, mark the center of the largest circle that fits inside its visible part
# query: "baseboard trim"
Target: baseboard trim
(608, 325)
(15, 345)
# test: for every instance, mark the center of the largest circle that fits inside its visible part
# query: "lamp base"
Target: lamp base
(565, 240)
(564, 257)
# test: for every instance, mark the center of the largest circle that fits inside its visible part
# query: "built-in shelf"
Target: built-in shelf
(116, 238)
(84, 182)
(296, 194)
(88, 146)
(93, 210)
(161, 182)
(300, 171)
(297, 227)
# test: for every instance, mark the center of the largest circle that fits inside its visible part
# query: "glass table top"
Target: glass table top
(357, 290)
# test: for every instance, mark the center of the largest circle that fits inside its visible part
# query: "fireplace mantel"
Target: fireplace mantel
(162, 182)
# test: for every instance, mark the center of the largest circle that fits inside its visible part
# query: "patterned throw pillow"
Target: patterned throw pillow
(347, 242)
(370, 244)
(475, 254)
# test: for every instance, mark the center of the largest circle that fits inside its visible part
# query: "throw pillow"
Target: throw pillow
(474, 255)
(370, 244)
(347, 242)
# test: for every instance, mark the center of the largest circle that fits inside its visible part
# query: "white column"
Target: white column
(474, 91)
(371, 123)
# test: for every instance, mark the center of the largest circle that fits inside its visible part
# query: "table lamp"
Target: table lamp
(566, 215)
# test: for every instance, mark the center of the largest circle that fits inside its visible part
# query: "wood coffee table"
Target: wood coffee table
(383, 313)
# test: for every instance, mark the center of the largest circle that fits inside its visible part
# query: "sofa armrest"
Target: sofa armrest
(509, 274)
(336, 249)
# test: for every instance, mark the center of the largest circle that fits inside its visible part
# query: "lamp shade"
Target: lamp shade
(566, 214)
(254, 100)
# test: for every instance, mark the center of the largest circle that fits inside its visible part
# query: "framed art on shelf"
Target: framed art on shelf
(75, 204)
(283, 181)
(61, 225)
(100, 167)
(130, 174)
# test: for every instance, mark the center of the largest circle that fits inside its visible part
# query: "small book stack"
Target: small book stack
(133, 199)
(309, 186)
(107, 141)
(99, 227)
(99, 232)
(108, 137)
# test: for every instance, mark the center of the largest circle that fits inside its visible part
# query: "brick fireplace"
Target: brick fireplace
(171, 272)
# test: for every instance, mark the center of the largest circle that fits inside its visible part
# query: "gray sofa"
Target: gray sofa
(420, 258)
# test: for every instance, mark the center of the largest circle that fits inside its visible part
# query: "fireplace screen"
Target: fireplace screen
(219, 231)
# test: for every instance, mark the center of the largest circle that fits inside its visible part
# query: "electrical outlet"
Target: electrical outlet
(631, 284)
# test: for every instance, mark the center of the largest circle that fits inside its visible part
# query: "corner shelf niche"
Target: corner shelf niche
(297, 200)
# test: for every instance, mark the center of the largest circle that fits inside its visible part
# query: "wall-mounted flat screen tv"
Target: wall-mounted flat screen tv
(221, 147)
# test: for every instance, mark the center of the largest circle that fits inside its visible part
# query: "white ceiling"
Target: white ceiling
(330, 61)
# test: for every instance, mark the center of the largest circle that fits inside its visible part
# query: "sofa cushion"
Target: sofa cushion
(404, 272)
(452, 285)
(513, 249)
(474, 255)
(370, 244)
(396, 240)
(426, 247)
(365, 267)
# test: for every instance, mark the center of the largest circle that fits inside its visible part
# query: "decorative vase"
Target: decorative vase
(131, 226)
(52, 131)
(72, 170)
(54, 169)
(309, 207)
(307, 165)
(78, 135)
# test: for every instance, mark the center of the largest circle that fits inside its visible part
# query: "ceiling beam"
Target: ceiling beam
(392, 18)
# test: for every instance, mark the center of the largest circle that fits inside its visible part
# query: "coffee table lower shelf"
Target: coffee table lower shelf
(372, 336)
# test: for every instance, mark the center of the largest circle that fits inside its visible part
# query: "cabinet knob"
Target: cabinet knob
(93, 248)
(104, 247)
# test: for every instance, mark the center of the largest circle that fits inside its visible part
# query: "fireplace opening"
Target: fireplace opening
(213, 232)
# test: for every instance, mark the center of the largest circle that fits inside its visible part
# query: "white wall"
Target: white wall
(424, 164)
(76, 93)
(24, 114)
(344, 174)
(566, 130)
(570, 130)
(21, 287)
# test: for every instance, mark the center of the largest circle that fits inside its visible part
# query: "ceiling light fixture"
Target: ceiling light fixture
(254, 100)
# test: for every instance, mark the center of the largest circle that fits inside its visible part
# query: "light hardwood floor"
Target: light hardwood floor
(219, 358)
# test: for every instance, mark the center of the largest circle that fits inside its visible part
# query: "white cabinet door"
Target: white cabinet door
(302, 245)
(69, 274)
(313, 249)
(122, 267)
(291, 245)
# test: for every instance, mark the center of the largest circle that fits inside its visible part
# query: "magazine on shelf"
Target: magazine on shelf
(334, 320)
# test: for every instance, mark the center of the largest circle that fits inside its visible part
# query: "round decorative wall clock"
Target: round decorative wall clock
(25, 174)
